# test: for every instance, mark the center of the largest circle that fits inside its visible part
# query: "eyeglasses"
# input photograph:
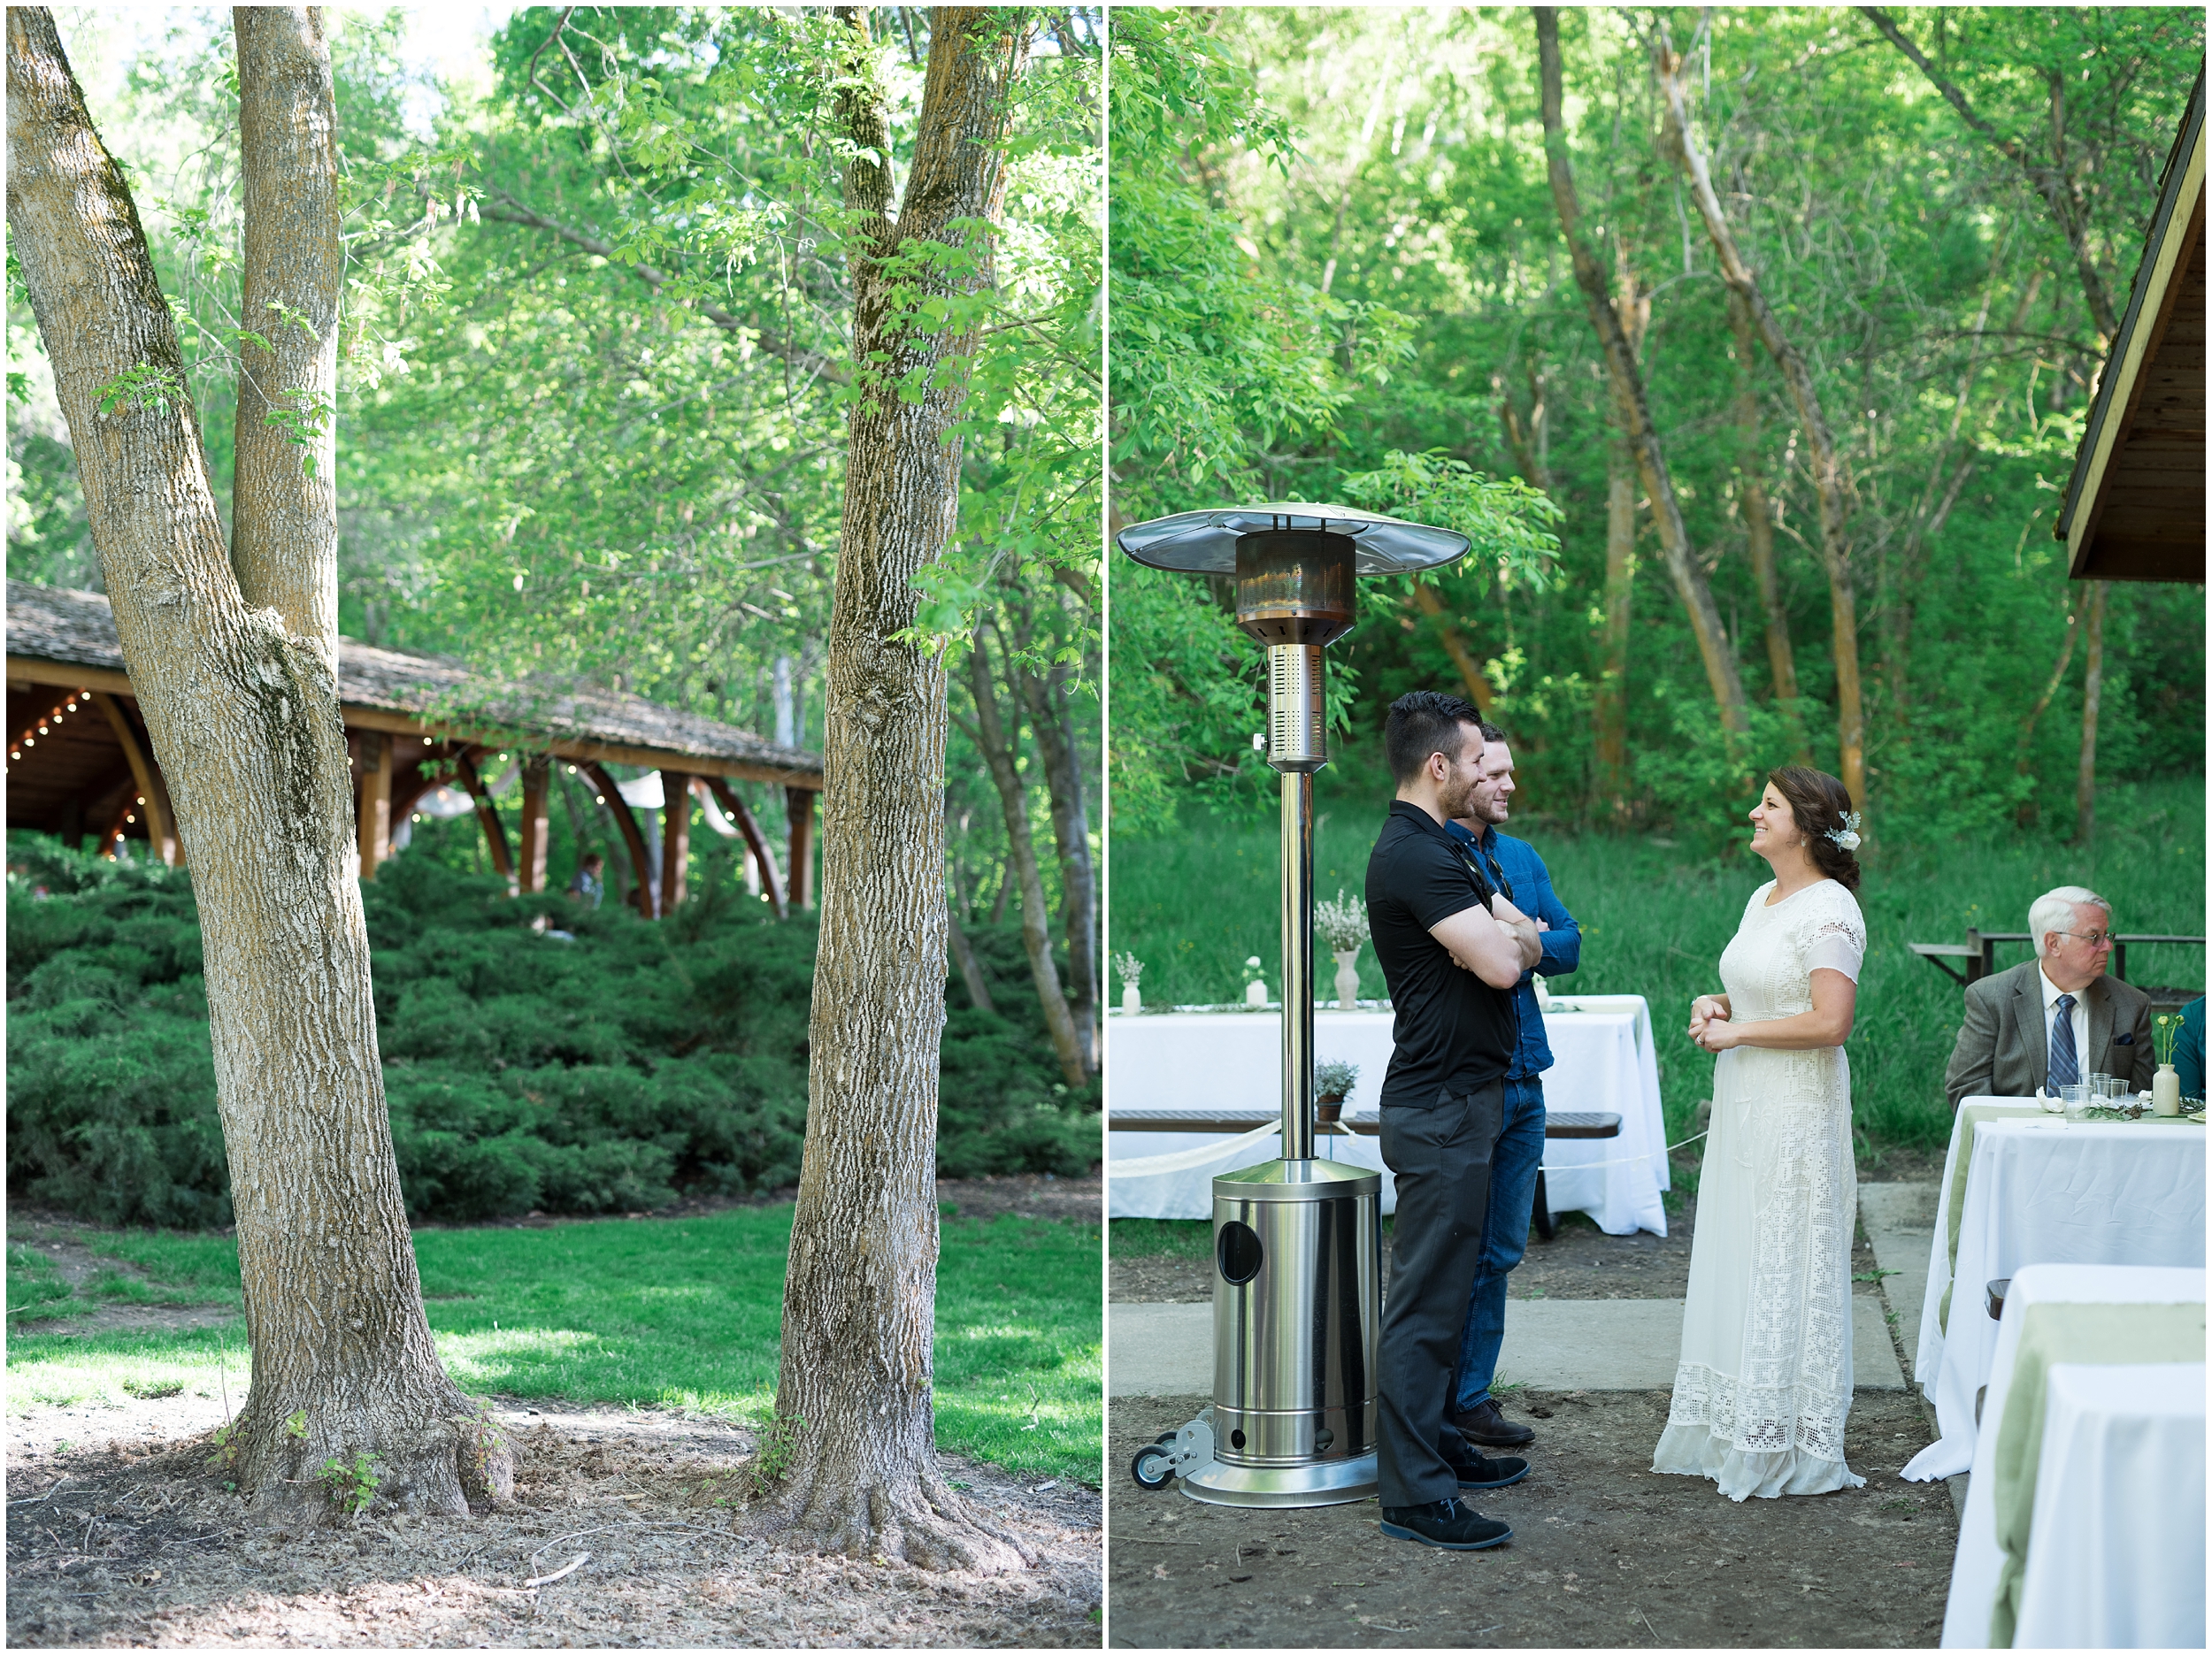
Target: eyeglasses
(2094, 938)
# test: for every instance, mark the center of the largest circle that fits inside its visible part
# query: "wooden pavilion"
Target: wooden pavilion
(2134, 507)
(80, 760)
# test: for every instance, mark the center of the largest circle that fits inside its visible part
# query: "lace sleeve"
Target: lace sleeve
(1834, 938)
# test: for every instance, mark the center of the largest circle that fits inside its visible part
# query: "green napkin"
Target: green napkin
(2064, 1333)
(1970, 1115)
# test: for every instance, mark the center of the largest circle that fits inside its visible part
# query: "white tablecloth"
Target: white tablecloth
(2046, 1190)
(1224, 1062)
(2115, 1555)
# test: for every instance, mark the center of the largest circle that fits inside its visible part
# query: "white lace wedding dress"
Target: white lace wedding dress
(1765, 1379)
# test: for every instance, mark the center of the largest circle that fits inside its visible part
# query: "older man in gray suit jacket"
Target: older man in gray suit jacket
(2058, 1017)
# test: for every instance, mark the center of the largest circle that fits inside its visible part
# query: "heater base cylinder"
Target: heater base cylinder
(1326, 1483)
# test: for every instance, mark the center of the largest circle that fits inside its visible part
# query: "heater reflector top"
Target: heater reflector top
(1205, 542)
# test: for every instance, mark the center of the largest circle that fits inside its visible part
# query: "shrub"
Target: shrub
(522, 1073)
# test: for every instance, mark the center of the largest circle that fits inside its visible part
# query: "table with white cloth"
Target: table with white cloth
(1226, 1066)
(2083, 1526)
(2022, 1187)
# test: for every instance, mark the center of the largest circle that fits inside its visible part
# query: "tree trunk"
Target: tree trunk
(850, 1465)
(1632, 407)
(1046, 698)
(2026, 815)
(241, 702)
(997, 744)
(971, 968)
(1830, 487)
(2067, 210)
(2091, 694)
(1479, 690)
(1758, 515)
(1633, 306)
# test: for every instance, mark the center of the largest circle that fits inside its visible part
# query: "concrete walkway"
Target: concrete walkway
(1550, 1344)
(1899, 1219)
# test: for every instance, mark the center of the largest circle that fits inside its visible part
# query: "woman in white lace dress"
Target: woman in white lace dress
(1765, 1379)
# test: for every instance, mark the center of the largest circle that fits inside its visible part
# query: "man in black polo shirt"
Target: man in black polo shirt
(1452, 950)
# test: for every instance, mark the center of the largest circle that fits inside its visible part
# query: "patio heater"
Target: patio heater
(1297, 1283)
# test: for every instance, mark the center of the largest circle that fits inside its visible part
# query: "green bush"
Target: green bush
(523, 1072)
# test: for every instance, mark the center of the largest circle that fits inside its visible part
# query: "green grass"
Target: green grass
(683, 1312)
(1655, 919)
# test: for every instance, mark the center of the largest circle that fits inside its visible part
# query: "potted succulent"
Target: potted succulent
(1129, 969)
(1332, 1083)
(1343, 926)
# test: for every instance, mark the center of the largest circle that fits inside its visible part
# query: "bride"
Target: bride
(1765, 1376)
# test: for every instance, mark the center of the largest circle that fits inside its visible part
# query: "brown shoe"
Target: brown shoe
(1485, 1427)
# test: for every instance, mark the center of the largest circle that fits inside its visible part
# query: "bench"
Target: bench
(1978, 955)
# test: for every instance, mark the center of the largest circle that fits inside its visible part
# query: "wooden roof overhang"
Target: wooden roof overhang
(81, 761)
(2134, 507)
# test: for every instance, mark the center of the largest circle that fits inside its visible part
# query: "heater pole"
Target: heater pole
(1297, 858)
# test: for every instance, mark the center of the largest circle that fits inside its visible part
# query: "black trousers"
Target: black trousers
(1441, 1158)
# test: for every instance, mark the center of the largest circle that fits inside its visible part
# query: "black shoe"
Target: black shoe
(1486, 1427)
(1474, 1471)
(1445, 1523)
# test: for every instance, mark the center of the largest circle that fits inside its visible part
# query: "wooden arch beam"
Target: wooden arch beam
(756, 840)
(153, 798)
(640, 862)
(486, 817)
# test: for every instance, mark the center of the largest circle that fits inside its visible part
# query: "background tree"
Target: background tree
(231, 650)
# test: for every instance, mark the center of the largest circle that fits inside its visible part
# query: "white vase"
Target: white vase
(1131, 1002)
(1256, 994)
(2166, 1090)
(1347, 978)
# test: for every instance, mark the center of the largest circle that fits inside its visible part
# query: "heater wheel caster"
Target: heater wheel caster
(1153, 1468)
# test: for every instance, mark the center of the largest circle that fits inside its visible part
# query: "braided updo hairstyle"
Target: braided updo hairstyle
(1818, 804)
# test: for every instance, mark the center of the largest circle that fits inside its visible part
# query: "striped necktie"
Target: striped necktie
(2065, 1062)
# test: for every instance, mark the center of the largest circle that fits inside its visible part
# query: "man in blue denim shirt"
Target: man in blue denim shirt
(1512, 867)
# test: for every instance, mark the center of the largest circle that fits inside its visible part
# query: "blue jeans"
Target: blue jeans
(1514, 1165)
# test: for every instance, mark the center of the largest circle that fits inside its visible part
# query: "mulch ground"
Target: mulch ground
(133, 1542)
(1604, 1553)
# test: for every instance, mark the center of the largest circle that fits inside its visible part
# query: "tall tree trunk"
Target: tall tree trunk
(2026, 815)
(1479, 690)
(1830, 487)
(1046, 700)
(854, 1429)
(234, 673)
(997, 744)
(2067, 210)
(1632, 305)
(1632, 408)
(2091, 694)
(971, 968)
(1758, 513)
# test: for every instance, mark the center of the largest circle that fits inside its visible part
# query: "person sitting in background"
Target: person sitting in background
(586, 886)
(2050, 1021)
(2189, 1049)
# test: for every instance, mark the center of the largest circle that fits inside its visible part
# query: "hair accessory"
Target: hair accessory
(1847, 837)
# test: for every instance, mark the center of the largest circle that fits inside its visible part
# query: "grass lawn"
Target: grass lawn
(1654, 920)
(683, 1312)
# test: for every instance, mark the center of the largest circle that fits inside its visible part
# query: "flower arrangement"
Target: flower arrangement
(1253, 972)
(2165, 1032)
(1342, 922)
(1334, 1079)
(1129, 969)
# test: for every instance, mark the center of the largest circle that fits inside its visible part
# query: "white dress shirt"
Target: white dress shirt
(2079, 1016)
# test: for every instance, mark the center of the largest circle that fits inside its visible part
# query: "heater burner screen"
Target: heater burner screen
(1297, 739)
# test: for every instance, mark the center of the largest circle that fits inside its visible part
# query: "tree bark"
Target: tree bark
(1632, 407)
(1046, 700)
(241, 702)
(997, 744)
(1633, 306)
(1758, 513)
(2091, 694)
(1479, 690)
(1830, 487)
(853, 1429)
(2067, 210)
(971, 968)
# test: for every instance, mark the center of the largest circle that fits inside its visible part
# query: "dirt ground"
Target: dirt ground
(131, 1542)
(116, 1534)
(1604, 1553)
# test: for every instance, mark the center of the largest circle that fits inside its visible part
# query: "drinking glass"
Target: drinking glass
(2075, 1098)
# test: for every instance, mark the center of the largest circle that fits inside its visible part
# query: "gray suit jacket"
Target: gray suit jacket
(2003, 1051)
